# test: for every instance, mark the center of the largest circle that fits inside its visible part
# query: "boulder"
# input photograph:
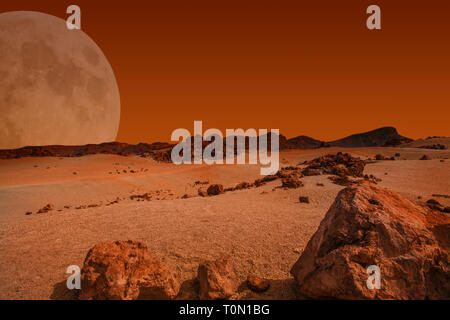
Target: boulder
(202, 192)
(215, 189)
(125, 270)
(48, 207)
(257, 284)
(292, 183)
(311, 172)
(217, 279)
(338, 164)
(368, 226)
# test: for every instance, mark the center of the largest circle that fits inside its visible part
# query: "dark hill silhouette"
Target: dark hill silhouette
(155, 150)
(386, 136)
(375, 138)
(305, 142)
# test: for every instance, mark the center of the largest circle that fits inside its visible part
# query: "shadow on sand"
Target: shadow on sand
(60, 292)
(279, 290)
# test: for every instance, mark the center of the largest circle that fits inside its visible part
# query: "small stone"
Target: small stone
(303, 199)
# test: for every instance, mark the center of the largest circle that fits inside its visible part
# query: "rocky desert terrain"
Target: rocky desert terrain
(53, 210)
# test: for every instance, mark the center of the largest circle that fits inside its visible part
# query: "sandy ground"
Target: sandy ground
(263, 229)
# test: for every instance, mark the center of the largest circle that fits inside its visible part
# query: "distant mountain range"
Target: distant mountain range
(386, 136)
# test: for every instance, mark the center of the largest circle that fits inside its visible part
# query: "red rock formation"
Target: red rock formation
(369, 226)
(264, 180)
(48, 207)
(217, 279)
(291, 183)
(202, 192)
(340, 164)
(435, 205)
(215, 189)
(125, 270)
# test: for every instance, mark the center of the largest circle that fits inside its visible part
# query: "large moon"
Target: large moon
(56, 85)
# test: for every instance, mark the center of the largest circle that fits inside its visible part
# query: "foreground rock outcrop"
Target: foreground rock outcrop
(217, 279)
(126, 270)
(370, 226)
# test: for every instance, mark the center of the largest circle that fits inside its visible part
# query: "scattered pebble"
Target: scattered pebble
(303, 199)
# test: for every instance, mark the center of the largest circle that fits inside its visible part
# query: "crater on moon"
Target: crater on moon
(56, 85)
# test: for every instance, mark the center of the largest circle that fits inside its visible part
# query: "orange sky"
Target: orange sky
(305, 67)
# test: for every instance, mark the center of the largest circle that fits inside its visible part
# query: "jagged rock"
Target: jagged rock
(283, 174)
(202, 192)
(341, 180)
(369, 226)
(215, 189)
(217, 279)
(337, 164)
(291, 183)
(257, 284)
(303, 199)
(436, 205)
(372, 178)
(311, 172)
(425, 157)
(242, 185)
(48, 207)
(126, 270)
(198, 182)
(264, 180)
(288, 172)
